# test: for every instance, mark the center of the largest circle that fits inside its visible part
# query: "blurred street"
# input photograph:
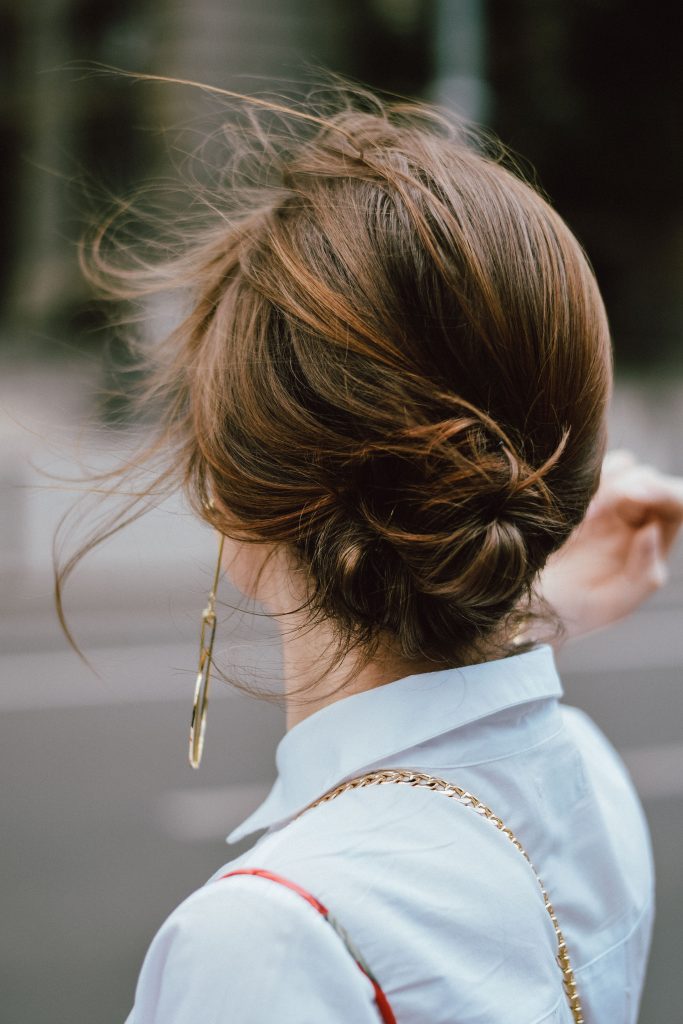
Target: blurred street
(105, 827)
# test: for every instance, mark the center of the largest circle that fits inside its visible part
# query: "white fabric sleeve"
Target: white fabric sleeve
(247, 950)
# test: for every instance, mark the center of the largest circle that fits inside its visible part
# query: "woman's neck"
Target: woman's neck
(312, 679)
(304, 659)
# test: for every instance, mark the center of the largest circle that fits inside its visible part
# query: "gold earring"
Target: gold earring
(201, 689)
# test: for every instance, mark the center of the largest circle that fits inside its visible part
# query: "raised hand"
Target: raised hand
(618, 556)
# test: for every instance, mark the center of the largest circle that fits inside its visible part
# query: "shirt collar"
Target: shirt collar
(345, 737)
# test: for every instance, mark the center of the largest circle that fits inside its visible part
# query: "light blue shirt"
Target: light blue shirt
(446, 912)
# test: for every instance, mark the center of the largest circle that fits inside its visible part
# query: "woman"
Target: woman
(388, 397)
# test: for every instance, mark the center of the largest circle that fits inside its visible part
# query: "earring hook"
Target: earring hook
(201, 690)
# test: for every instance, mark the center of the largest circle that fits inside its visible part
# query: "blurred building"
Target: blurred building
(589, 93)
(75, 137)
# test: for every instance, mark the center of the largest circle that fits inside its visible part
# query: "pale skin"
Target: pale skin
(614, 561)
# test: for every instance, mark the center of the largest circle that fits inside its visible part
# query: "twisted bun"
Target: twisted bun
(435, 536)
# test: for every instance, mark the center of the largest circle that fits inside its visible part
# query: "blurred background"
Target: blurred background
(104, 826)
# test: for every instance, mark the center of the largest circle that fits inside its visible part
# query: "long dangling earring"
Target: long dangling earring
(201, 689)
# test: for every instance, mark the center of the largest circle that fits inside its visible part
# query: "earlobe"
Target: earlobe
(238, 565)
(254, 569)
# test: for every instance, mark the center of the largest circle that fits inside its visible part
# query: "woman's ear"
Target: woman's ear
(263, 573)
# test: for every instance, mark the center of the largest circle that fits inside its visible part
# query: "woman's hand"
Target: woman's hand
(617, 557)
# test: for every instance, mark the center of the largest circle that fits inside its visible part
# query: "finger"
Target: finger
(638, 494)
(616, 460)
(617, 463)
(662, 495)
(652, 497)
(670, 532)
(647, 567)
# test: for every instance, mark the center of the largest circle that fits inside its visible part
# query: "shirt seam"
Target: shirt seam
(546, 1016)
(624, 939)
(503, 757)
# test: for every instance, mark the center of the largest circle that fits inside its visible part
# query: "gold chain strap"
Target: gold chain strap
(468, 800)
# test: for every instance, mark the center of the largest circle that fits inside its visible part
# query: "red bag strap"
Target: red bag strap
(385, 1011)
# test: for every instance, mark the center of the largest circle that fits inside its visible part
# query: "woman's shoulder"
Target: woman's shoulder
(244, 948)
(437, 900)
(397, 852)
(390, 834)
(612, 815)
(616, 799)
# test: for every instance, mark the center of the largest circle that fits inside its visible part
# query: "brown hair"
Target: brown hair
(396, 362)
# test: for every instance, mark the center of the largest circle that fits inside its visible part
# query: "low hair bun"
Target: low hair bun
(435, 537)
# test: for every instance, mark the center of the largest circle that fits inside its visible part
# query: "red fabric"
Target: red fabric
(283, 881)
(386, 1013)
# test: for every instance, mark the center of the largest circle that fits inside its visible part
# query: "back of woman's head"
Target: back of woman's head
(396, 364)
